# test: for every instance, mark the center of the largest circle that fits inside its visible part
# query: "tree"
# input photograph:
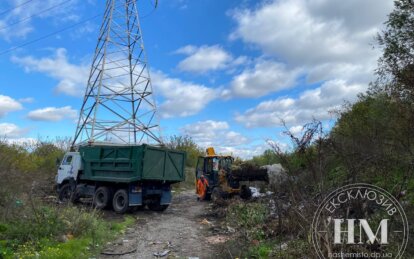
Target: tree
(186, 144)
(396, 66)
(267, 158)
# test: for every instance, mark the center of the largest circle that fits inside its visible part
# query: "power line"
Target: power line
(17, 6)
(36, 14)
(49, 35)
(152, 11)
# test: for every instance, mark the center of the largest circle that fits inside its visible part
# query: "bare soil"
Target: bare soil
(185, 230)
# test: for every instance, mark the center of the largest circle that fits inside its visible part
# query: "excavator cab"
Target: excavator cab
(206, 176)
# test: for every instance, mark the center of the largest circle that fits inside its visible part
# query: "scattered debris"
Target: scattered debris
(217, 239)
(206, 222)
(162, 254)
(257, 194)
(230, 229)
(119, 253)
(178, 232)
(277, 174)
(155, 243)
(129, 230)
(255, 242)
(169, 244)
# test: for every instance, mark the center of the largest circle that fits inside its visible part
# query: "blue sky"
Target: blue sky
(224, 72)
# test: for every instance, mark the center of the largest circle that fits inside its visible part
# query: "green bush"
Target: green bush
(56, 232)
(250, 218)
(267, 158)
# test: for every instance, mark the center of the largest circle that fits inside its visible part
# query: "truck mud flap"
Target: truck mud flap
(166, 197)
(164, 194)
(135, 197)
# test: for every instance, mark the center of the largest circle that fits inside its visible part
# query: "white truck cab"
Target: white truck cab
(69, 167)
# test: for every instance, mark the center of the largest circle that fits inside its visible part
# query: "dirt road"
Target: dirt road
(184, 230)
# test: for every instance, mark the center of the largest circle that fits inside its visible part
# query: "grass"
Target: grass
(59, 233)
(249, 217)
(274, 249)
(252, 221)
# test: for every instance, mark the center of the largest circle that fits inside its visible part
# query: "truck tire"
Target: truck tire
(102, 198)
(208, 196)
(245, 192)
(120, 202)
(66, 193)
(75, 199)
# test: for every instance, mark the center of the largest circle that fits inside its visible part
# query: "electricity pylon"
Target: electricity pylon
(119, 105)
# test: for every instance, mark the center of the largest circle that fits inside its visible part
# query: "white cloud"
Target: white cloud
(23, 142)
(8, 104)
(27, 100)
(10, 130)
(205, 126)
(327, 41)
(244, 152)
(18, 23)
(315, 103)
(53, 114)
(205, 58)
(313, 32)
(215, 134)
(181, 98)
(266, 77)
(296, 130)
(178, 4)
(72, 78)
(331, 39)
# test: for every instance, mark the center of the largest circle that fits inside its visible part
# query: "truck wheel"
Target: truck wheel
(217, 196)
(245, 192)
(120, 202)
(75, 196)
(208, 196)
(156, 206)
(102, 197)
(66, 193)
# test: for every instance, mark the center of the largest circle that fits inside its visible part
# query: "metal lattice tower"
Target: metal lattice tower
(119, 106)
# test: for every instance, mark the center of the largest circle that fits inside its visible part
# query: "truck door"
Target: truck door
(69, 167)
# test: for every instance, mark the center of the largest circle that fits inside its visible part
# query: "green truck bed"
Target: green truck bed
(126, 164)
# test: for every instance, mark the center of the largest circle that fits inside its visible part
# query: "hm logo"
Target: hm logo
(363, 226)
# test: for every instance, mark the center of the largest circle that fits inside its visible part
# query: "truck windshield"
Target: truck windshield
(67, 161)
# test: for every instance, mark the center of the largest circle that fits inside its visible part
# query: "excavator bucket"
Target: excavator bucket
(250, 173)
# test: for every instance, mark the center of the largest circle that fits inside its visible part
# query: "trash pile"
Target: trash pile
(257, 194)
(276, 174)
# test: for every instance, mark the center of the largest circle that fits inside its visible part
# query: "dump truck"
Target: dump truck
(120, 176)
(218, 178)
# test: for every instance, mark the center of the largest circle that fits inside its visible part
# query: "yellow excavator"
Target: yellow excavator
(217, 177)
